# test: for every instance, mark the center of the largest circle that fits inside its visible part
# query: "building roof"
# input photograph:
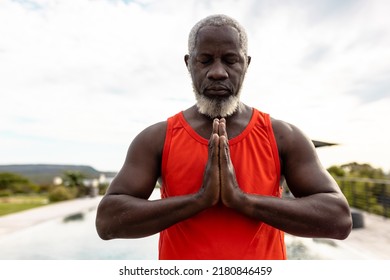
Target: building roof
(319, 144)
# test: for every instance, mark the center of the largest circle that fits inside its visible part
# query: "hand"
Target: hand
(230, 191)
(219, 182)
(211, 180)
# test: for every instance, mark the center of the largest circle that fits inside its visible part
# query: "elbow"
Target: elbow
(347, 228)
(103, 221)
(343, 227)
(109, 225)
(102, 234)
(102, 229)
(343, 232)
(342, 220)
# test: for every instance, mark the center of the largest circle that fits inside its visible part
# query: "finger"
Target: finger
(222, 128)
(211, 180)
(224, 160)
(214, 149)
(229, 186)
(224, 154)
(215, 126)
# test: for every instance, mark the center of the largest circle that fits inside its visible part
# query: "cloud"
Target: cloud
(89, 75)
(373, 88)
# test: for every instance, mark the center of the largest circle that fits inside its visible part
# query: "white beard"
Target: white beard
(217, 107)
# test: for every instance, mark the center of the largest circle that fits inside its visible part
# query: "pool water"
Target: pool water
(73, 238)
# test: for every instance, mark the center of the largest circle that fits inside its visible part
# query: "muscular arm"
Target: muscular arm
(319, 209)
(126, 212)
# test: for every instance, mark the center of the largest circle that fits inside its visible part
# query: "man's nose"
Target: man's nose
(217, 71)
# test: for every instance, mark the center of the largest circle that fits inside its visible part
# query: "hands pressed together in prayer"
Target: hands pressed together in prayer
(219, 182)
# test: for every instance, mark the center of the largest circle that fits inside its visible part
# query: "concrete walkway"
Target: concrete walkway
(369, 243)
(17, 221)
(372, 242)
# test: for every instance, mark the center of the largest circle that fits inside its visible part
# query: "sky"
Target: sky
(80, 79)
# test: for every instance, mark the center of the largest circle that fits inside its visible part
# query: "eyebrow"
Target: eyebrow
(228, 53)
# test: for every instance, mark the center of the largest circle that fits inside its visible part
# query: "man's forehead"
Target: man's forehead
(218, 34)
(212, 30)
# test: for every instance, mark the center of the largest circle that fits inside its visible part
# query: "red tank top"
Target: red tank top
(220, 232)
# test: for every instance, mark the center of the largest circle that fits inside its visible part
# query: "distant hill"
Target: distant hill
(43, 174)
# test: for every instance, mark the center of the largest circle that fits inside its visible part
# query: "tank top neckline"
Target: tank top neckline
(232, 141)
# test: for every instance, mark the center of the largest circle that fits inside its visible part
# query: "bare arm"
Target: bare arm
(126, 212)
(319, 209)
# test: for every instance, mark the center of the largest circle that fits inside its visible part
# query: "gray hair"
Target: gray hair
(218, 20)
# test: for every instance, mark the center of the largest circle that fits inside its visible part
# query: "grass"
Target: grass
(13, 204)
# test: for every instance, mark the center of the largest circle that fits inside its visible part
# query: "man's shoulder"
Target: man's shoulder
(288, 136)
(281, 127)
(155, 130)
(151, 134)
(159, 129)
(151, 139)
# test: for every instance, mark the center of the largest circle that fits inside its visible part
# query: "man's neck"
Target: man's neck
(202, 124)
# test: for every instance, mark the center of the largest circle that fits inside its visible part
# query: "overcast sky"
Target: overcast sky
(79, 79)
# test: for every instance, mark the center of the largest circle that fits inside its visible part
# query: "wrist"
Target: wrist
(236, 199)
(204, 199)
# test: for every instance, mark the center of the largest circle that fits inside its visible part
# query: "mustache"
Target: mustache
(216, 86)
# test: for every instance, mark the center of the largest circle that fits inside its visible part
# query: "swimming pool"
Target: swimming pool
(73, 238)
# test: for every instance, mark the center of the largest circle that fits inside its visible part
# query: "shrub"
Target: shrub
(103, 189)
(5, 193)
(61, 193)
(16, 184)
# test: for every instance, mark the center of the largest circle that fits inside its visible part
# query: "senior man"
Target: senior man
(221, 165)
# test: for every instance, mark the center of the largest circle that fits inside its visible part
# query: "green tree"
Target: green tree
(364, 170)
(364, 186)
(336, 171)
(74, 180)
(11, 183)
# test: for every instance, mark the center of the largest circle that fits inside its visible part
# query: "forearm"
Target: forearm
(320, 215)
(123, 216)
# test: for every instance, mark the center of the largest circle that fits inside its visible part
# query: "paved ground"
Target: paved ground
(370, 242)
(13, 222)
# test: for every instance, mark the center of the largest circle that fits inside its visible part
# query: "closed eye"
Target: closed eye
(204, 59)
(231, 59)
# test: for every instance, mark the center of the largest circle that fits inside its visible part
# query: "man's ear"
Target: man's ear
(186, 58)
